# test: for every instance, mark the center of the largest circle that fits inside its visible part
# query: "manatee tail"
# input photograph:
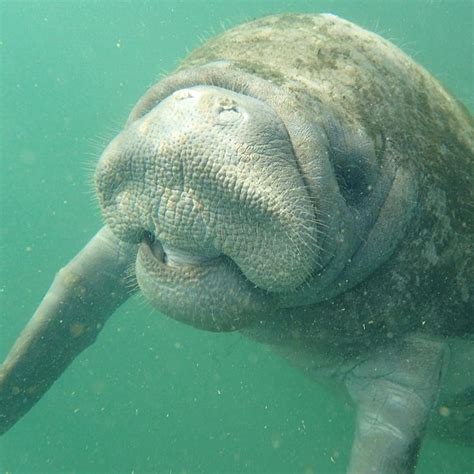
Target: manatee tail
(82, 297)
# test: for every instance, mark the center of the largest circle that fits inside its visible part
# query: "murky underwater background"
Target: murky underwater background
(153, 395)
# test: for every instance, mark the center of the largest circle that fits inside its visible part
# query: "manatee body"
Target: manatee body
(305, 182)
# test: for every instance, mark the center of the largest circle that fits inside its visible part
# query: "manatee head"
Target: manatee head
(208, 184)
(245, 199)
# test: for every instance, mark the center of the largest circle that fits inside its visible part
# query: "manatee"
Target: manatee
(304, 182)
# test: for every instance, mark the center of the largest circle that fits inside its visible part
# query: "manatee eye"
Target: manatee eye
(354, 179)
(354, 160)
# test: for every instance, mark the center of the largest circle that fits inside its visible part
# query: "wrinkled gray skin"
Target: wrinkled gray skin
(303, 181)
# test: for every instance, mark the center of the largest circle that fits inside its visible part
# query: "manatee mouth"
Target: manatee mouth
(209, 293)
(167, 255)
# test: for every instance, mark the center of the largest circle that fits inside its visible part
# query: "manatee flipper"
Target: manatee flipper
(82, 297)
(395, 393)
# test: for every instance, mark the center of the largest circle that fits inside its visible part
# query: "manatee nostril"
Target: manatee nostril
(183, 94)
(226, 103)
(228, 110)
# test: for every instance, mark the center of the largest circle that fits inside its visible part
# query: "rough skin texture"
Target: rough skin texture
(304, 181)
(373, 85)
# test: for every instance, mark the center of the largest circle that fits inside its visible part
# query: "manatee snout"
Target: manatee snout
(211, 175)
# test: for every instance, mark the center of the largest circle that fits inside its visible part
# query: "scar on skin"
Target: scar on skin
(69, 278)
(444, 411)
(77, 329)
(31, 390)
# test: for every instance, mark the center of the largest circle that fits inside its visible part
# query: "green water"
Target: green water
(153, 395)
